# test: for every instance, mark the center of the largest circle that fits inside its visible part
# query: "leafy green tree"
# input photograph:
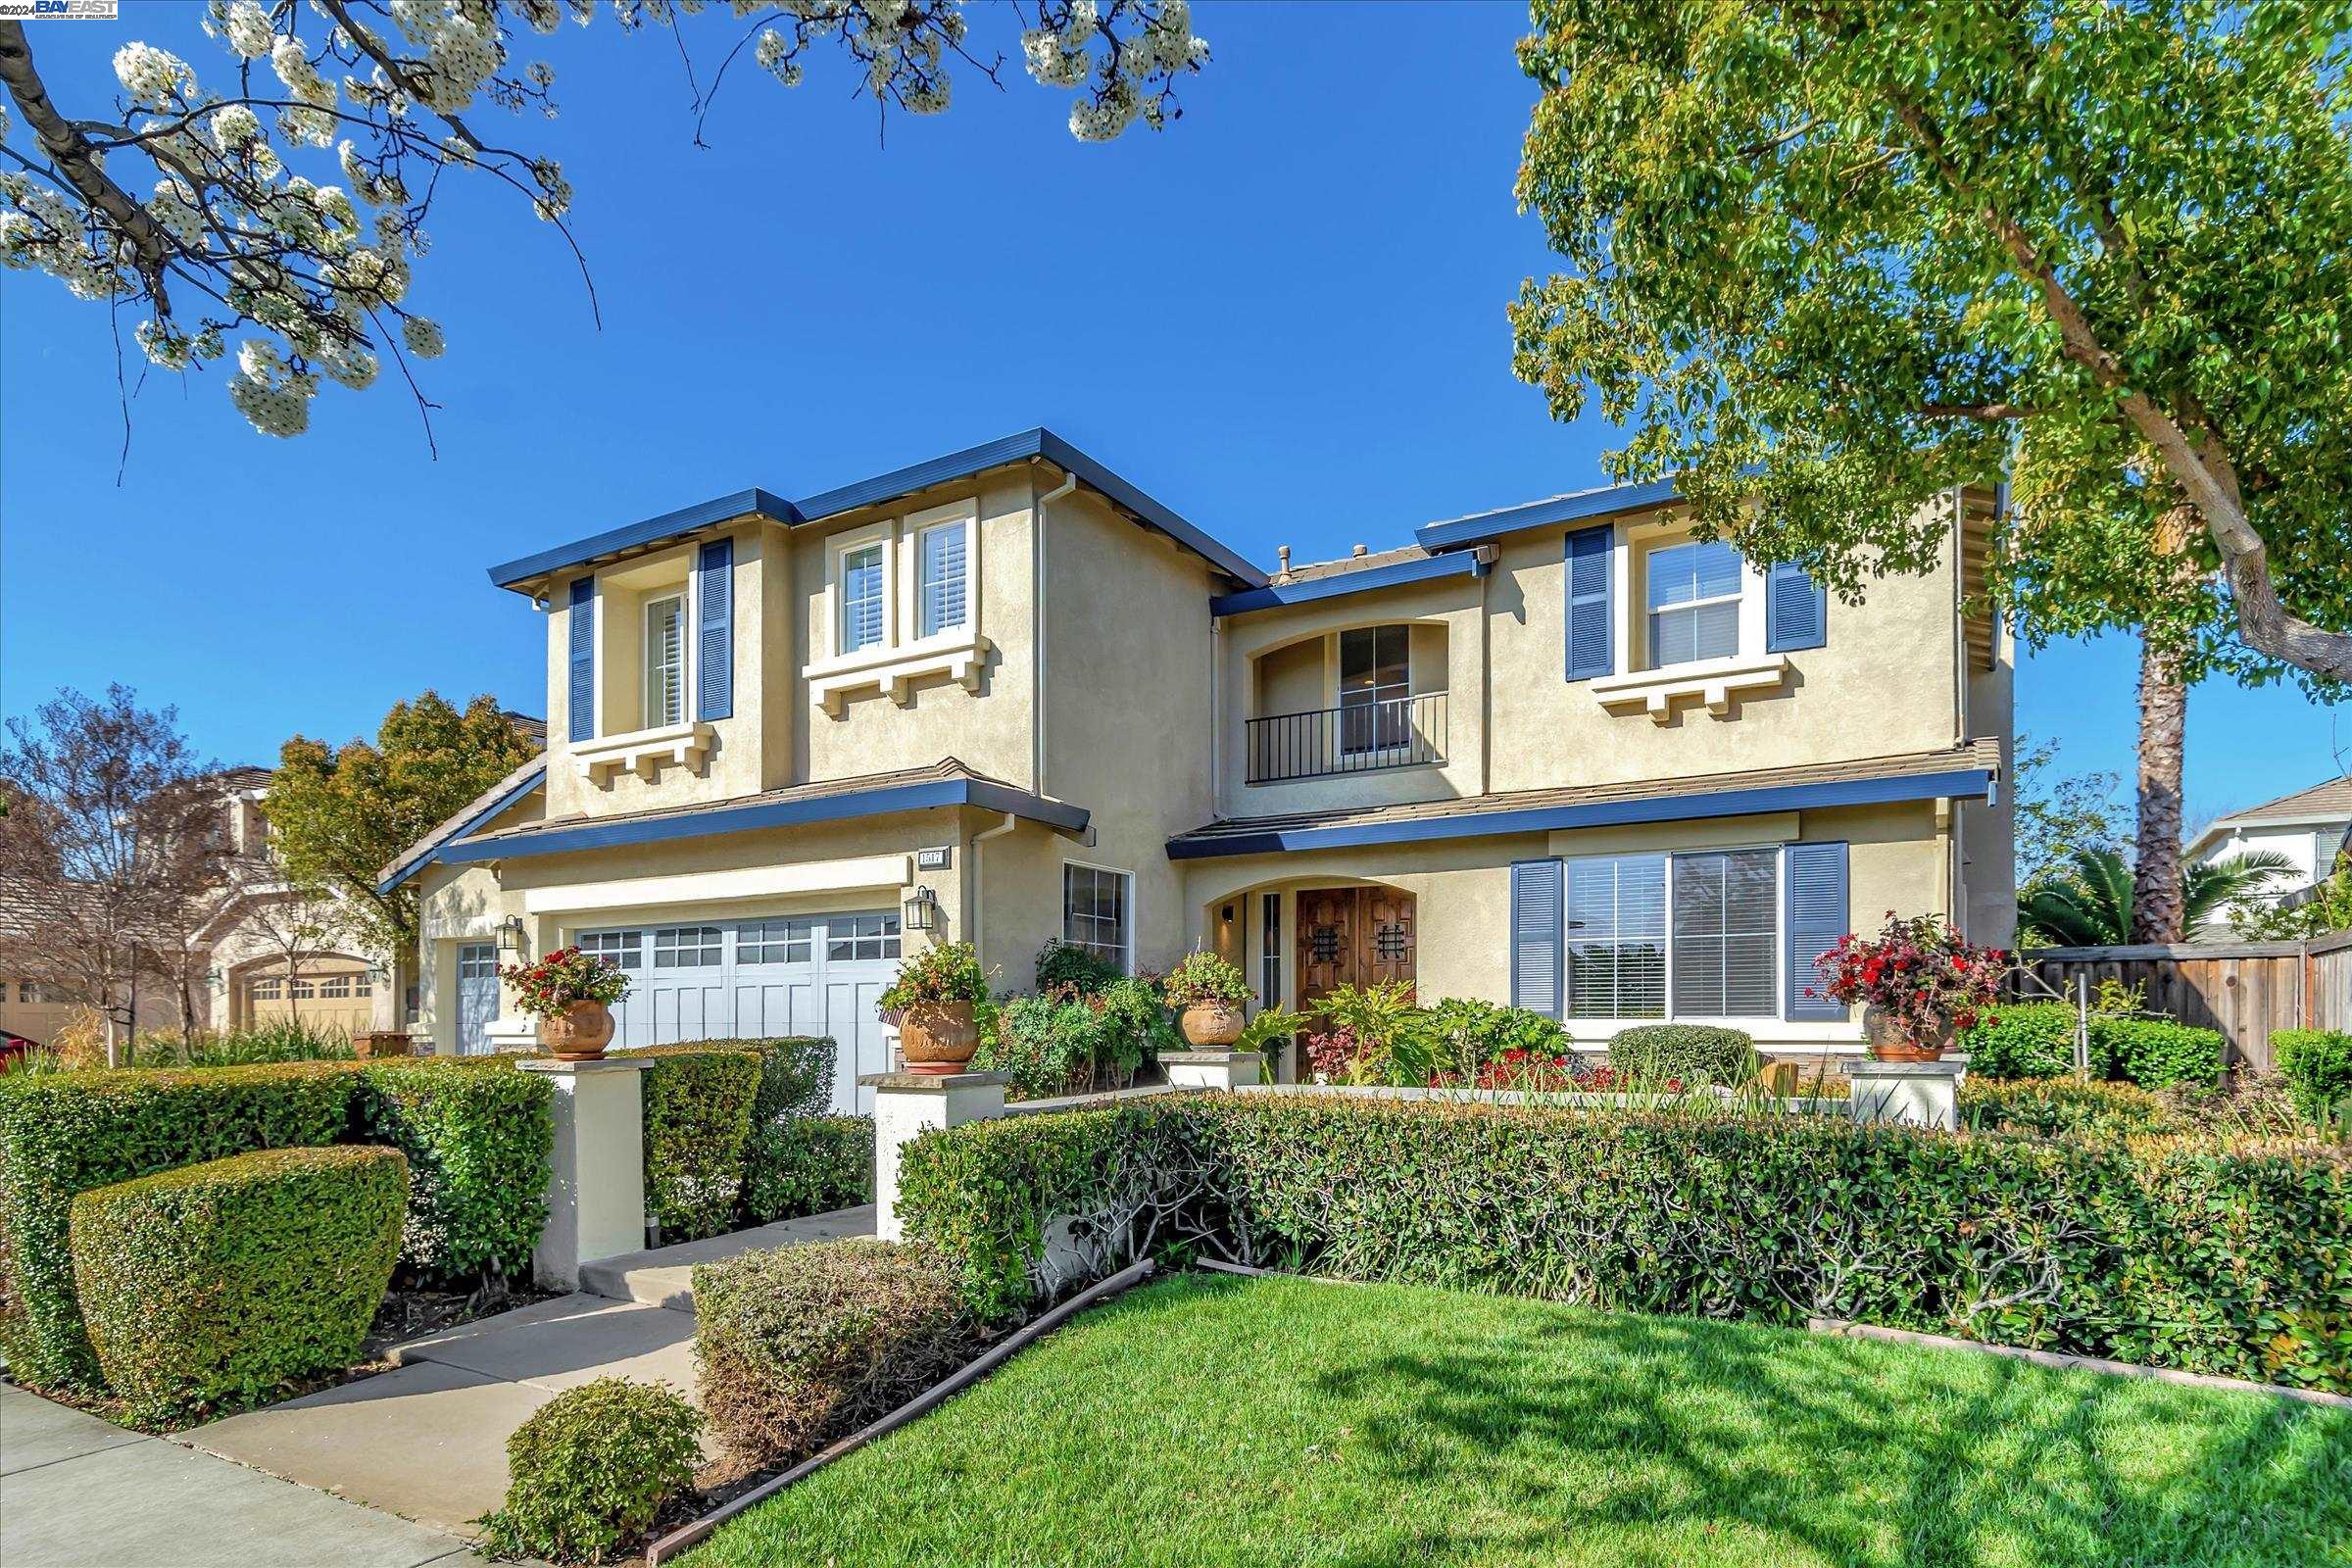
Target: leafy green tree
(338, 817)
(2055, 814)
(2328, 909)
(2088, 903)
(1826, 262)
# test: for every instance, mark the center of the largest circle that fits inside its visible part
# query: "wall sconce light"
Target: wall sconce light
(510, 935)
(922, 910)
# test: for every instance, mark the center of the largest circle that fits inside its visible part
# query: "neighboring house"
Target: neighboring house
(2307, 827)
(1560, 755)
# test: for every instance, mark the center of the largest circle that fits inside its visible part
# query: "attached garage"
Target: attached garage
(799, 974)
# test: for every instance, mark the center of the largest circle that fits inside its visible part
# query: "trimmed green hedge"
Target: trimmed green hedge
(63, 1134)
(2316, 1064)
(799, 1166)
(796, 1347)
(215, 1287)
(2036, 1040)
(591, 1469)
(1695, 1053)
(2214, 1257)
(2064, 1108)
(478, 1134)
(698, 1121)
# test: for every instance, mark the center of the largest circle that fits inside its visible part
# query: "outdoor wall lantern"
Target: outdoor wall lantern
(922, 910)
(510, 935)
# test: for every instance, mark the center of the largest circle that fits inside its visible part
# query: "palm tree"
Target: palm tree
(2089, 905)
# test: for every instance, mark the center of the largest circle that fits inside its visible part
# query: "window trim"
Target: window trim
(1779, 850)
(684, 599)
(1648, 613)
(920, 526)
(1126, 909)
(878, 537)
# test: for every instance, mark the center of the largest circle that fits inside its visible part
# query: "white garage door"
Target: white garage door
(750, 979)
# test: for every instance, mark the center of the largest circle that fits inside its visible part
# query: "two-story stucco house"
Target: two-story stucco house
(1561, 755)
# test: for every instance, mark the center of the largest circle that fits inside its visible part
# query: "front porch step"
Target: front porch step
(663, 1276)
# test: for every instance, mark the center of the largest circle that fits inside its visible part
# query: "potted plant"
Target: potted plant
(1918, 984)
(571, 994)
(935, 1001)
(1208, 994)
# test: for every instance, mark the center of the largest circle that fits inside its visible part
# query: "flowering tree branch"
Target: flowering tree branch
(317, 274)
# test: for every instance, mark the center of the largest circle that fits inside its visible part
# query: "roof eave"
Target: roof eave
(1478, 528)
(520, 573)
(412, 861)
(1395, 575)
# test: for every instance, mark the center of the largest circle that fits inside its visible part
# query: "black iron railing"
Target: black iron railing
(1351, 738)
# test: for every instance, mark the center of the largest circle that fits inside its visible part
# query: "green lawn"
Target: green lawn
(1218, 1421)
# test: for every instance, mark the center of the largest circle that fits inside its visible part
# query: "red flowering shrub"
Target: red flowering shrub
(561, 980)
(1919, 972)
(1338, 1057)
(1537, 1071)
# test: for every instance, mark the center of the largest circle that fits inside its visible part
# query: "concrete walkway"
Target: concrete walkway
(78, 1493)
(427, 1440)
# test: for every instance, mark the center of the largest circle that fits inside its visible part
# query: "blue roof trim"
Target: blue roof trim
(1034, 443)
(1956, 784)
(1337, 584)
(1484, 526)
(988, 796)
(489, 814)
(668, 526)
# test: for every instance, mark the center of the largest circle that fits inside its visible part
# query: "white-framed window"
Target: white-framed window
(688, 947)
(1375, 676)
(1095, 913)
(1269, 951)
(623, 950)
(1727, 934)
(1694, 591)
(1615, 940)
(943, 577)
(666, 661)
(774, 941)
(861, 936)
(477, 960)
(862, 588)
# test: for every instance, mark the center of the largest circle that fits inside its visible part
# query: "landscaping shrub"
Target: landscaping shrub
(797, 1347)
(698, 1124)
(478, 1134)
(2212, 1256)
(1070, 1040)
(2036, 1040)
(1693, 1053)
(809, 1166)
(2316, 1064)
(279, 1040)
(62, 1134)
(215, 1287)
(2069, 1106)
(1471, 1034)
(1061, 964)
(591, 1469)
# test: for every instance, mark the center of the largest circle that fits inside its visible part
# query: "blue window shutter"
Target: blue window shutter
(1796, 611)
(715, 650)
(1817, 918)
(1535, 936)
(583, 659)
(1590, 639)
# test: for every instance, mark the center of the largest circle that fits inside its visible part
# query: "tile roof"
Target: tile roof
(2330, 799)
(1520, 810)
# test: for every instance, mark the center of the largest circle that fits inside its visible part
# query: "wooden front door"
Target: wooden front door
(1352, 937)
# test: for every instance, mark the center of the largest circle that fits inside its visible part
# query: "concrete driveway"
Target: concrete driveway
(78, 1493)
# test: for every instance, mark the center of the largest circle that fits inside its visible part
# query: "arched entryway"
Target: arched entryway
(1300, 939)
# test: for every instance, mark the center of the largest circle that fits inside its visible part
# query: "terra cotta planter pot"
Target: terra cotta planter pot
(938, 1037)
(580, 1035)
(1889, 1041)
(1210, 1025)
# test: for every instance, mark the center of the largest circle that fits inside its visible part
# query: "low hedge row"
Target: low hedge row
(214, 1286)
(2036, 1040)
(2063, 1108)
(2316, 1064)
(2225, 1258)
(800, 1345)
(698, 1121)
(476, 1134)
(799, 1166)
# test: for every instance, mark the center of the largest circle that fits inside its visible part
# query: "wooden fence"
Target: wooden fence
(2244, 989)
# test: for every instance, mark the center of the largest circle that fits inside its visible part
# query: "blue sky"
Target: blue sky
(1284, 317)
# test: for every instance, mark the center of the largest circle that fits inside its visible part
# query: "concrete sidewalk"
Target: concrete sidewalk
(427, 1440)
(78, 1493)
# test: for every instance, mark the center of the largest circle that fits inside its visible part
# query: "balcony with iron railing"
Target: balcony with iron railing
(1355, 737)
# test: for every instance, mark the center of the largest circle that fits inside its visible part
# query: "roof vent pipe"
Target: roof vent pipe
(1283, 557)
(1361, 551)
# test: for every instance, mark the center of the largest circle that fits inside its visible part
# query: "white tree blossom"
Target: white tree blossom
(241, 233)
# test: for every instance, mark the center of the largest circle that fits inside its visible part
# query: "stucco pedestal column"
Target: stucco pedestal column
(1212, 1070)
(1910, 1094)
(908, 1104)
(517, 1033)
(596, 1172)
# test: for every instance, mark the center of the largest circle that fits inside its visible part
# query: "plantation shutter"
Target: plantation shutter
(582, 629)
(1817, 918)
(1589, 643)
(942, 587)
(714, 646)
(1535, 936)
(1796, 611)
